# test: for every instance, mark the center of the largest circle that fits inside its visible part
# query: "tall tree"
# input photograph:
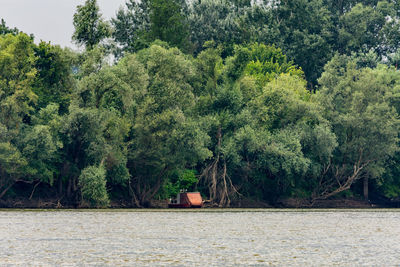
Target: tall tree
(17, 74)
(255, 108)
(28, 148)
(148, 20)
(164, 136)
(213, 21)
(359, 104)
(304, 33)
(96, 127)
(4, 29)
(54, 82)
(366, 28)
(132, 26)
(168, 22)
(90, 28)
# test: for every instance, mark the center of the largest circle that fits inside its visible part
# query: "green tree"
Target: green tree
(90, 28)
(4, 29)
(97, 124)
(262, 62)
(304, 31)
(96, 129)
(17, 74)
(54, 82)
(257, 112)
(148, 20)
(168, 22)
(164, 136)
(366, 27)
(17, 99)
(29, 143)
(93, 186)
(132, 26)
(84, 145)
(89, 62)
(92, 136)
(283, 141)
(114, 92)
(358, 104)
(213, 21)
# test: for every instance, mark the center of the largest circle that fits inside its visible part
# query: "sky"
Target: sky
(50, 20)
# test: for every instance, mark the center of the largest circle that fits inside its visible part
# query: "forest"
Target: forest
(241, 100)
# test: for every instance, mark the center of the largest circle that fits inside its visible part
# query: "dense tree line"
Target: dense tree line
(238, 99)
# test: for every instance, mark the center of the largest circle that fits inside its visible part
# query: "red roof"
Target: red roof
(195, 198)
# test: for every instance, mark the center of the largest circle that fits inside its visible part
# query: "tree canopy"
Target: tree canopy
(90, 28)
(259, 100)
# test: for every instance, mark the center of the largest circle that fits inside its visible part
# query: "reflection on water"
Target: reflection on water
(186, 238)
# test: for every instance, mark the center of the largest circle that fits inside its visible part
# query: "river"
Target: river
(200, 238)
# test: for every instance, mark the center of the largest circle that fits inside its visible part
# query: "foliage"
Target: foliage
(168, 24)
(163, 126)
(358, 104)
(131, 26)
(12, 164)
(303, 29)
(4, 29)
(284, 142)
(234, 98)
(39, 146)
(178, 180)
(54, 83)
(17, 74)
(264, 63)
(213, 20)
(365, 27)
(257, 108)
(93, 186)
(145, 21)
(90, 28)
(388, 185)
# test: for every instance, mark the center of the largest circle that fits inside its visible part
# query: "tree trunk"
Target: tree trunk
(216, 177)
(60, 185)
(69, 188)
(6, 189)
(365, 182)
(343, 182)
(33, 190)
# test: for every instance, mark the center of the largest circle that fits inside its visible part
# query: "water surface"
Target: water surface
(200, 238)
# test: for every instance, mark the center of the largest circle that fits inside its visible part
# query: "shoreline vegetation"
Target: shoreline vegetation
(279, 104)
(331, 204)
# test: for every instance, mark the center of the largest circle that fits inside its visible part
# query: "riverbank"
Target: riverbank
(350, 203)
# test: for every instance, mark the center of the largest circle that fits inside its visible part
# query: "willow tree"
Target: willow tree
(237, 122)
(360, 105)
(164, 135)
(282, 143)
(17, 74)
(97, 126)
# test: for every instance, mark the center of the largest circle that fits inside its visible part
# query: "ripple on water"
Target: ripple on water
(218, 238)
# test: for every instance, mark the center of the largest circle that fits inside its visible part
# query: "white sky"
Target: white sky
(50, 20)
